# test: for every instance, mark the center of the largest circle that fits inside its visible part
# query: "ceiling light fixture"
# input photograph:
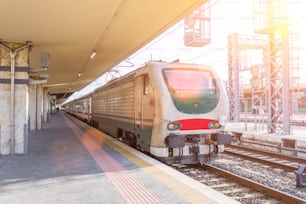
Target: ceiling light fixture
(93, 54)
(79, 74)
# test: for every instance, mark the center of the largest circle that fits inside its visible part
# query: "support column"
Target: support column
(45, 105)
(39, 106)
(36, 106)
(14, 103)
(32, 107)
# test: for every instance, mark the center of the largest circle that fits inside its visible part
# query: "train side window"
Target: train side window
(145, 85)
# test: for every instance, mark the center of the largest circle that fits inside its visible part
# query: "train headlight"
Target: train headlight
(214, 125)
(174, 126)
(223, 120)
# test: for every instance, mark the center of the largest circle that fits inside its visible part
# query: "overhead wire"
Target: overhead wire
(169, 32)
(208, 52)
(180, 26)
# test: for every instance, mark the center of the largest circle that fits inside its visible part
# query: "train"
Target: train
(176, 112)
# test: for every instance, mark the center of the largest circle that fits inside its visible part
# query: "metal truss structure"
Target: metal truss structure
(236, 45)
(277, 77)
(197, 27)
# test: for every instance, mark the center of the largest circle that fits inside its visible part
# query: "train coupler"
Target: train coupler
(194, 150)
(222, 138)
(174, 141)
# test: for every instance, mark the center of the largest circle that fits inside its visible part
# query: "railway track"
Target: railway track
(260, 120)
(287, 163)
(240, 188)
(237, 187)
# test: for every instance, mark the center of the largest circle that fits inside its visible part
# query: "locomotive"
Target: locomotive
(174, 111)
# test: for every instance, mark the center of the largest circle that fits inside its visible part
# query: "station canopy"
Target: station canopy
(70, 31)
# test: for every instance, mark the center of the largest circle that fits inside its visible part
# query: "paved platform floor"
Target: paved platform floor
(65, 164)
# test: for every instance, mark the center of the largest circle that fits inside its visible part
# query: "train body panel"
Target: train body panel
(170, 110)
(80, 108)
(184, 107)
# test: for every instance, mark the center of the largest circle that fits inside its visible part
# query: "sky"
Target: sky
(227, 16)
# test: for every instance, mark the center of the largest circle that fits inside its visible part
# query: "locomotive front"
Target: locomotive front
(192, 116)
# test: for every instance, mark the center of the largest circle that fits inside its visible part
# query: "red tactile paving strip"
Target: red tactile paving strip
(131, 189)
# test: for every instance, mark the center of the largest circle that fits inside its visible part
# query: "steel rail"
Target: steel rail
(271, 154)
(263, 161)
(257, 186)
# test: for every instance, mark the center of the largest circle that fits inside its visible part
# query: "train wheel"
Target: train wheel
(131, 139)
(120, 134)
(140, 148)
(95, 124)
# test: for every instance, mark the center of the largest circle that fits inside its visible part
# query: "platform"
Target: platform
(70, 162)
(293, 144)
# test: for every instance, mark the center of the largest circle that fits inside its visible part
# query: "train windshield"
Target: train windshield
(192, 91)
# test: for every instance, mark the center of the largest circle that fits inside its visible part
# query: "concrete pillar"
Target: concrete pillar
(32, 107)
(36, 106)
(14, 101)
(5, 116)
(39, 106)
(46, 104)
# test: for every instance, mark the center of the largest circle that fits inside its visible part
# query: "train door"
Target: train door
(139, 104)
(89, 110)
(144, 112)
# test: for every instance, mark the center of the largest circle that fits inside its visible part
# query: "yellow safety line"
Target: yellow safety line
(188, 193)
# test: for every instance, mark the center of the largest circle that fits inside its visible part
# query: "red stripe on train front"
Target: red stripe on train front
(194, 124)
